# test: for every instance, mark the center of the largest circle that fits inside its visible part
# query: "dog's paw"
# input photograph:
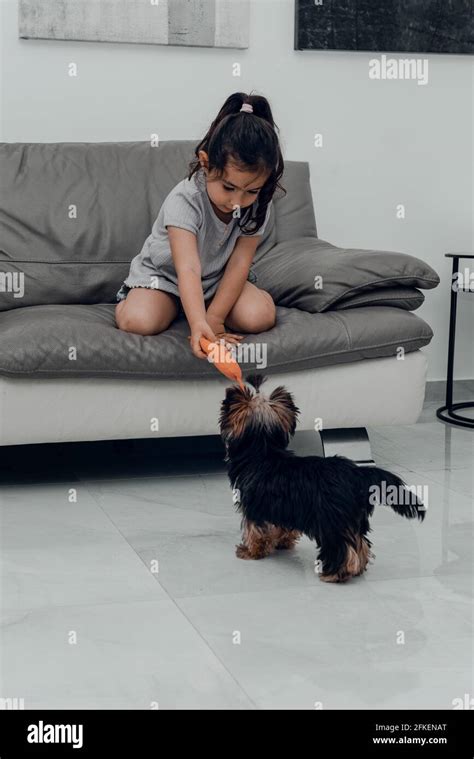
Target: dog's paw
(334, 578)
(242, 552)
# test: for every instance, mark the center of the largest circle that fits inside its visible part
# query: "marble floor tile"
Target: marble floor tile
(459, 480)
(112, 656)
(56, 552)
(369, 645)
(202, 494)
(142, 518)
(429, 446)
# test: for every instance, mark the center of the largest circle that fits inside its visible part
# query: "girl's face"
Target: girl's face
(235, 189)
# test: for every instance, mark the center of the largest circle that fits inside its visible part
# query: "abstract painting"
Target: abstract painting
(196, 23)
(416, 26)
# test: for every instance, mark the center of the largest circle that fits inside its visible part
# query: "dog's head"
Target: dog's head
(247, 417)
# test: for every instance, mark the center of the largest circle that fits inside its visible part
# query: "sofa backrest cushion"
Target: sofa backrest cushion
(73, 215)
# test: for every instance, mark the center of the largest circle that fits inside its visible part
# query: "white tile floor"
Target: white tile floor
(130, 548)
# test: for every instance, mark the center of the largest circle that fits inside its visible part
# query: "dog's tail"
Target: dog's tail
(381, 487)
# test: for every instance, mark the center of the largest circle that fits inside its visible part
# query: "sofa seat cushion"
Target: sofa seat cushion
(84, 341)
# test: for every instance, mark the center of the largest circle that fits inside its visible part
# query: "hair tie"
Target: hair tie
(247, 108)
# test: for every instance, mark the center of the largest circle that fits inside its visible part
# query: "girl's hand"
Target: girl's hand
(204, 329)
(216, 323)
(198, 330)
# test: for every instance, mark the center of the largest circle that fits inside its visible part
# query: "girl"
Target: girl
(197, 258)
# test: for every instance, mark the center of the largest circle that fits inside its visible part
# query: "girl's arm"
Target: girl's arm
(188, 268)
(186, 261)
(235, 276)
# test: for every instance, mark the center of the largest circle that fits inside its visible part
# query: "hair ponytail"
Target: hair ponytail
(250, 140)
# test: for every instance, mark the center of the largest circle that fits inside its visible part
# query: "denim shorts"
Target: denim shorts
(125, 289)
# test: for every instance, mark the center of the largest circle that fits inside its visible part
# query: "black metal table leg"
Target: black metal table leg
(447, 413)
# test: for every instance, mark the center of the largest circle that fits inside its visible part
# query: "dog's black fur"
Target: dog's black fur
(327, 499)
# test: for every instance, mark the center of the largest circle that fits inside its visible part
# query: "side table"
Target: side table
(448, 412)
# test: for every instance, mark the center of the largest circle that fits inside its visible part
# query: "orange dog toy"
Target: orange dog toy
(226, 364)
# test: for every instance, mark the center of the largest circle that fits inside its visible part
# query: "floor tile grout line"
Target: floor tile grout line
(182, 613)
(130, 601)
(204, 640)
(360, 581)
(152, 600)
(57, 607)
(167, 505)
(383, 458)
(177, 508)
(109, 518)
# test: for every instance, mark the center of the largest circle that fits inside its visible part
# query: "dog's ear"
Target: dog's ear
(235, 412)
(232, 406)
(283, 403)
(224, 413)
(230, 397)
(230, 392)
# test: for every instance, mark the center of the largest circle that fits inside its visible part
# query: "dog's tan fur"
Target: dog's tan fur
(258, 542)
(357, 559)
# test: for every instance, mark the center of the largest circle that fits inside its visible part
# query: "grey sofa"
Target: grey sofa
(73, 215)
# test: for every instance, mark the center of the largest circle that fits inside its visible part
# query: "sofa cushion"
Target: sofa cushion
(83, 341)
(313, 275)
(73, 215)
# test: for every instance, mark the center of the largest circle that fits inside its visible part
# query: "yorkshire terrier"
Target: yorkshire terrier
(282, 496)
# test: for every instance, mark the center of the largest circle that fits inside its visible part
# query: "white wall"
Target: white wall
(385, 142)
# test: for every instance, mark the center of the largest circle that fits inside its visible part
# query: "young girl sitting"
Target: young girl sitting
(197, 258)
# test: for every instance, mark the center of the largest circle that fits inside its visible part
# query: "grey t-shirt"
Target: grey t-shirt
(188, 206)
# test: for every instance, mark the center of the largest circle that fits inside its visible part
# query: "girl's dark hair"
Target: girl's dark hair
(250, 140)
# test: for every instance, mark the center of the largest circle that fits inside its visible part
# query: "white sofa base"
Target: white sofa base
(371, 392)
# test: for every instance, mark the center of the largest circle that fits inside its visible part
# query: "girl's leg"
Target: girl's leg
(254, 311)
(146, 311)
